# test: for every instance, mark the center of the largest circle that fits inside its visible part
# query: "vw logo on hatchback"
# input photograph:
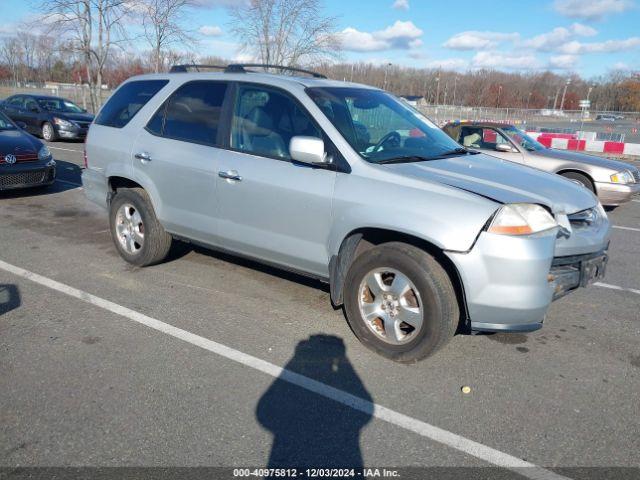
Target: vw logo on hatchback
(10, 159)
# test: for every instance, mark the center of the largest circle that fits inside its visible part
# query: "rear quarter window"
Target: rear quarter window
(127, 101)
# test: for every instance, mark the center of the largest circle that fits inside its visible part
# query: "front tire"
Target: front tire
(580, 179)
(136, 232)
(400, 302)
(48, 132)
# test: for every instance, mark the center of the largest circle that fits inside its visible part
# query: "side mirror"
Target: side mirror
(21, 125)
(309, 150)
(505, 147)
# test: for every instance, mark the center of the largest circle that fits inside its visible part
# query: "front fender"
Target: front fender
(444, 216)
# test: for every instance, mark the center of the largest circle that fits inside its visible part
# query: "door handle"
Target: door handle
(230, 175)
(144, 157)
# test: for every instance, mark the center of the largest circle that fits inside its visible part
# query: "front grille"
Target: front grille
(24, 178)
(83, 124)
(636, 175)
(26, 157)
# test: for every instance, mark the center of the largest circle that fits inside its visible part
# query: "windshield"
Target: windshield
(525, 141)
(59, 105)
(382, 128)
(5, 123)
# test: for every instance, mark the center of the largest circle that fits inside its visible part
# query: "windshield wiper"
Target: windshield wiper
(459, 151)
(405, 159)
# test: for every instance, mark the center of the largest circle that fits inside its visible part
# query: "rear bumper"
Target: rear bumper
(613, 194)
(25, 176)
(510, 282)
(95, 186)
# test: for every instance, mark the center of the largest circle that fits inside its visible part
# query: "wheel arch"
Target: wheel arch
(361, 239)
(578, 171)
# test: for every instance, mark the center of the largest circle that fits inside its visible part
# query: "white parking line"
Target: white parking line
(64, 149)
(615, 287)
(458, 442)
(634, 200)
(631, 229)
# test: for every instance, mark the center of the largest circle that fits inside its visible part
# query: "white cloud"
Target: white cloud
(552, 40)
(610, 46)
(473, 40)
(583, 30)
(621, 66)
(563, 62)
(401, 5)
(591, 9)
(505, 61)
(400, 35)
(448, 64)
(210, 30)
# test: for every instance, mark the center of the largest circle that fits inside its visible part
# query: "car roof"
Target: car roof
(47, 97)
(257, 77)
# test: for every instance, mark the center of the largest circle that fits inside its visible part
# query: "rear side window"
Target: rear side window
(191, 114)
(127, 101)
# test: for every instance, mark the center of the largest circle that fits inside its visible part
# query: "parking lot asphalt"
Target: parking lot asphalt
(87, 382)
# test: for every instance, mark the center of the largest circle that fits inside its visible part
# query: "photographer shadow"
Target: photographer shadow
(9, 298)
(310, 430)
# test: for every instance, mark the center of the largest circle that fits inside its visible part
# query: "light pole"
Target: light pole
(529, 100)
(564, 93)
(455, 85)
(499, 93)
(386, 72)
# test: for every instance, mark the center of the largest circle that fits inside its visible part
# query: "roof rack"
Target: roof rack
(185, 68)
(240, 68)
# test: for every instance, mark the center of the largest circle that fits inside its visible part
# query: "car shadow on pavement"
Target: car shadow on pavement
(9, 298)
(67, 178)
(309, 430)
(180, 249)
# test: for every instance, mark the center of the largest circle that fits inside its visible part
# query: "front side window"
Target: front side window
(380, 127)
(31, 105)
(265, 121)
(524, 140)
(191, 114)
(127, 101)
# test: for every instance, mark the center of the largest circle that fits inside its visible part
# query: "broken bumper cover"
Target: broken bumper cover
(509, 282)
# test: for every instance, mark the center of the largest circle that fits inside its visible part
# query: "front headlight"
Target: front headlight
(44, 153)
(61, 122)
(521, 219)
(622, 177)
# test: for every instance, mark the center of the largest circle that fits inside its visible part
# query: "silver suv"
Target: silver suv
(417, 237)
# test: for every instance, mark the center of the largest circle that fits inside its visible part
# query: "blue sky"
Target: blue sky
(590, 37)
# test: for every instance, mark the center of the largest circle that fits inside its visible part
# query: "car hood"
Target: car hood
(83, 117)
(18, 143)
(580, 157)
(502, 181)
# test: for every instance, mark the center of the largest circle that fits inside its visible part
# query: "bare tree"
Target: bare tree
(11, 56)
(285, 32)
(94, 28)
(163, 22)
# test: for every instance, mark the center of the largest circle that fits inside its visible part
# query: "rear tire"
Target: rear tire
(136, 232)
(580, 179)
(429, 295)
(48, 132)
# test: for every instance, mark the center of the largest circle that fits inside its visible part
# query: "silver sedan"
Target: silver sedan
(612, 181)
